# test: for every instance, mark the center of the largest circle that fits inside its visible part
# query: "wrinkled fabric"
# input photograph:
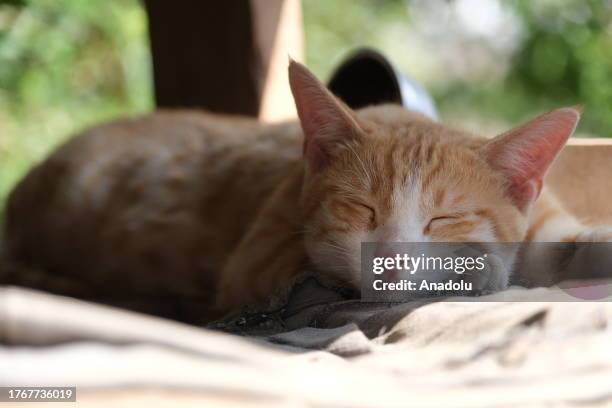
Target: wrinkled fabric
(320, 347)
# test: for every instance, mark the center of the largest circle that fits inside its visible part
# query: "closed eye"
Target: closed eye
(352, 209)
(370, 209)
(440, 221)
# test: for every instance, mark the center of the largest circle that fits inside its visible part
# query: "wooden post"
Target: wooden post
(225, 56)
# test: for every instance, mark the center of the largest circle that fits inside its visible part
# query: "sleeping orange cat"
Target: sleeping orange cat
(195, 203)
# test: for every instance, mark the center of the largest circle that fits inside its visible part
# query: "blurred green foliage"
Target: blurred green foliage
(563, 56)
(66, 64)
(334, 28)
(564, 59)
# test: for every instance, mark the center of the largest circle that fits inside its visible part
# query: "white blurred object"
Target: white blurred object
(367, 77)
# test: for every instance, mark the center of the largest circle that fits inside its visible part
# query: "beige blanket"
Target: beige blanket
(328, 352)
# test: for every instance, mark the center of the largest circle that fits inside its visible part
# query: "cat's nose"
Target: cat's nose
(386, 251)
(393, 249)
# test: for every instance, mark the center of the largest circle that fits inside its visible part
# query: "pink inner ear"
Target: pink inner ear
(523, 155)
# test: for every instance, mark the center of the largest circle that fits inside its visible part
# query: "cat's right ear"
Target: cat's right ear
(327, 123)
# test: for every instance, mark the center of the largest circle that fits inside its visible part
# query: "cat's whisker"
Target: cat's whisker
(366, 173)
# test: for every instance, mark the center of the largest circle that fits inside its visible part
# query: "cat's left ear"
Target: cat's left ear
(327, 122)
(524, 154)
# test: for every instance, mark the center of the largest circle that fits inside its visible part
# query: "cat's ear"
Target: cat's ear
(327, 123)
(524, 154)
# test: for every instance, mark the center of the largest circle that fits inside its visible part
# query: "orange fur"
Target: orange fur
(226, 208)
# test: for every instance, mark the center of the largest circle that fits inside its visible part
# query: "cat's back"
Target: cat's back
(166, 194)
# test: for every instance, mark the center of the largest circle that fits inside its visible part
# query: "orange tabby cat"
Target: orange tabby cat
(194, 203)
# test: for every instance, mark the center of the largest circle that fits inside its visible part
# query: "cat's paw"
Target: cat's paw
(595, 234)
(592, 257)
(496, 280)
